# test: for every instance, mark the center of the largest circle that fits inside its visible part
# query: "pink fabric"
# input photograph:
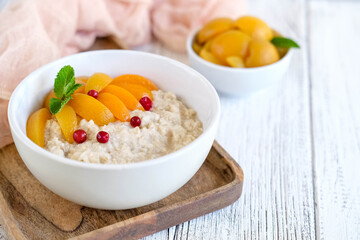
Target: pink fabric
(35, 32)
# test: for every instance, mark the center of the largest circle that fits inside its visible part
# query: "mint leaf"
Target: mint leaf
(72, 89)
(55, 105)
(284, 42)
(65, 77)
(64, 87)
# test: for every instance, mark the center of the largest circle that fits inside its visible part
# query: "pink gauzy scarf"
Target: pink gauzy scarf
(35, 32)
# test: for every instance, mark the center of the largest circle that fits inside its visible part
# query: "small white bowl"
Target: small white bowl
(123, 186)
(238, 81)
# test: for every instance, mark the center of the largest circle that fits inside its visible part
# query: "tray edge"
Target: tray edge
(150, 222)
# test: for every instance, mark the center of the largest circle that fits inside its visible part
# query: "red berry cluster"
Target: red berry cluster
(80, 136)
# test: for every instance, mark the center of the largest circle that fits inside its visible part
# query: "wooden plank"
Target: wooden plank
(335, 71)
(269, 135)
(25, 215)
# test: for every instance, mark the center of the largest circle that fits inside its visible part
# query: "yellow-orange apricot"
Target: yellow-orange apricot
(116, 106)
(261, 53)
(255, 27)
(97, 82)
(35, 126)
(135, 79)
(82, 79)
(50, 95)
(236, 62)
(136, 90)
(91, 109)
(125, 96)
(196, 47)
(230, 43)
(67, 120)
(208, 56)
(214, 28)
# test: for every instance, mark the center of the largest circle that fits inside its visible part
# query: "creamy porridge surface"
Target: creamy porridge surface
(169, 126)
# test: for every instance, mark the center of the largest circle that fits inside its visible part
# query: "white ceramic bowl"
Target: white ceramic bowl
(238, 81)
(116, 186)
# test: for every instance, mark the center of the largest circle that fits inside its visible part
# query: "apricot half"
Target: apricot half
(214, 28)
(50, 95)
(116, 106)
(230, 43)
(67, 120)
(35, 126)
(136, 90)
(236, 62)
(91, 109)
(135, 79)
(208, 56)
(81, 80)
(97, 82)
(261, 53)
(255, 27)
(125, 96)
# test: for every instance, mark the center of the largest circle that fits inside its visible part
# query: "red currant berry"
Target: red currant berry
(135, 121)
(146, 103)
(102, 137)
(79, 136)
(93, 93)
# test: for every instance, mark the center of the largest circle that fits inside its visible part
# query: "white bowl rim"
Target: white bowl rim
(191, 51)
(30, 144)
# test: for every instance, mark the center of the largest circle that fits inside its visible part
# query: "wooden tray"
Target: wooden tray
(29, 211)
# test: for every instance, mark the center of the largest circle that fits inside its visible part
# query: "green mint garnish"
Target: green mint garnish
(284, 42)
(64, 87)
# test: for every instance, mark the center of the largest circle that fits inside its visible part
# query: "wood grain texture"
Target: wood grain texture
(26, 215)
(60, 212)
(335, 81)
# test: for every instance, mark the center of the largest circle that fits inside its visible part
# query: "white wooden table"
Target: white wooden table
(299, 142)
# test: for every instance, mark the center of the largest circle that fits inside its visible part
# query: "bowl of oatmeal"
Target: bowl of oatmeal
(136, 166)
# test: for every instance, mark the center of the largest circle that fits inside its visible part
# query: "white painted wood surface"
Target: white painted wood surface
(299, 142)
(335, 88)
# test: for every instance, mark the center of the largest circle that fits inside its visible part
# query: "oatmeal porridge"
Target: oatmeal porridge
(167, 127)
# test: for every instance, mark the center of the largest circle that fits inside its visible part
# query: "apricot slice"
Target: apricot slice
(230, 43)
(46, 103)
(196, 47)
(135, 79)
(80, 89)
(261, 53)
(91, 109)
(116, 106)
(255, 27)
(82, 79)
(67, 120)
(125, 96)
(136, 90)
(208, 56)
(97, 82)
(236, 62)
(214, 28)
(35, 126)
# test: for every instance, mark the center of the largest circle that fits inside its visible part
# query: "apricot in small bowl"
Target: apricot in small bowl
(239, 57)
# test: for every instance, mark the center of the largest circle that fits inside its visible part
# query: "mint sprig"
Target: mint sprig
(284, 42)
(64, 87)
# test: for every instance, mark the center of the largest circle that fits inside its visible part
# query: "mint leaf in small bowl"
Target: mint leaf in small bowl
(282, 42)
